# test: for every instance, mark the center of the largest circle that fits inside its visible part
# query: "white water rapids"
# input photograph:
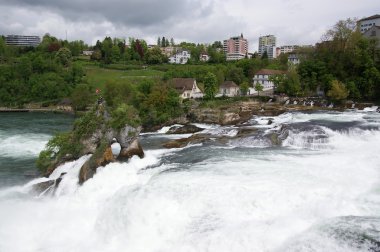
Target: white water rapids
(318, 191)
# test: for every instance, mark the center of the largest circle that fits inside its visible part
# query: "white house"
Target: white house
(228, 88)
(180, 57)
(262, 77)
(87, 52)
(187, 88)
(204, 57)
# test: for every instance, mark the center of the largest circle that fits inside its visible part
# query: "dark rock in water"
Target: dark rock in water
(43, 186)
(243, 132)
(187, 129)
(49, 186)
(133, 149)
(180, 143)
(270, 122)
(101, 158)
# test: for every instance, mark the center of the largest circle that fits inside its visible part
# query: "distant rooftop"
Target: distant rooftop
(370, 18)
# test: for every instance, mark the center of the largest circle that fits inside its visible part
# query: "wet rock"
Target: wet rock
(127, 135)
(100, 158)
(43, 186)
(243, 132)
(230, 119)
(49, 186)
(187, 129)
(180, 143)
(133, 149)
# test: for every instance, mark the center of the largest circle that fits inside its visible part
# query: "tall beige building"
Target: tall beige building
(267, 44)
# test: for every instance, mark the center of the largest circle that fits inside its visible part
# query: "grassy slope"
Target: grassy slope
(97, 76)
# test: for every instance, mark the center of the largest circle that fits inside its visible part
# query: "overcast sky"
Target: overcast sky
(199, 21)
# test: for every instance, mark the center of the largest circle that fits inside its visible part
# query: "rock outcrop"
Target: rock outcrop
(187, 129)
(127, 137)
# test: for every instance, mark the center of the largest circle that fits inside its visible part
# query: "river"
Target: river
(319, 190)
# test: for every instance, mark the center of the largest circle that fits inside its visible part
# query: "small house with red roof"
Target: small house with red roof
(187, 88)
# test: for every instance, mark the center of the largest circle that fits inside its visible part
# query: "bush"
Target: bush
(124, 114)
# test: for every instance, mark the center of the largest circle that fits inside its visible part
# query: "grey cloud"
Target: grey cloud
(138, 13)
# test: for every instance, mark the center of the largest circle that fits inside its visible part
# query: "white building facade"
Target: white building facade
(366, 23)
(263, 77)
(180, 57)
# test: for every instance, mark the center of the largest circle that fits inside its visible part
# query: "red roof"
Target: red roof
(183, 84)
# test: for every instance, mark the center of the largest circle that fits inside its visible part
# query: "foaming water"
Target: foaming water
(319, 190)
(22, 146)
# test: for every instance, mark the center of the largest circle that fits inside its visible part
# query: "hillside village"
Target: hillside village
(331, 68)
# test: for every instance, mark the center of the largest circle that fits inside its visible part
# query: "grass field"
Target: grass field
(98, 77)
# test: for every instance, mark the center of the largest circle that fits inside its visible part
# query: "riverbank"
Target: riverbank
(48, 109)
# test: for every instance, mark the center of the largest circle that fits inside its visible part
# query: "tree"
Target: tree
(338, 91)
(81, 97)
(210, 85)
(64, 56)
(163, 42)
(258, 87)
(235, 74)
(159, 42)
(244, 87)
(292, 83)
(172, 42)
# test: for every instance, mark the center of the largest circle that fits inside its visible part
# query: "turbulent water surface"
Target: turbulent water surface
(22, 137)
(318, 189)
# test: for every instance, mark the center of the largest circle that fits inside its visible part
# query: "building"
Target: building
(170, 50)
(286, 49)
(87, 52)
(267, 44)
(373, 33)
(263, 76)
(228, 88)
(366, 23)
(20, 40)
(235, 48)
(180, 57)
(204, 57)
(187, 88)
(293, 59)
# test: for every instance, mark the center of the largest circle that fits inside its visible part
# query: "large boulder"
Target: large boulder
(230, 119)
(187, 129)
(102, 157)
(133, 149)
(180, 143)
(91, 143)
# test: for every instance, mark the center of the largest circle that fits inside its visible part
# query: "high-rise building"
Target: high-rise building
(20, 40)
(366, 23)
(235, 48)
(267, 44)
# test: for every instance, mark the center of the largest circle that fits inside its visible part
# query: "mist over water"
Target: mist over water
(318, 190)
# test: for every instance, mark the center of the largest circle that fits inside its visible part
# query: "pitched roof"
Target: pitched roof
(183, 84)
(370, 18)
(270, 72)
(229, 84)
